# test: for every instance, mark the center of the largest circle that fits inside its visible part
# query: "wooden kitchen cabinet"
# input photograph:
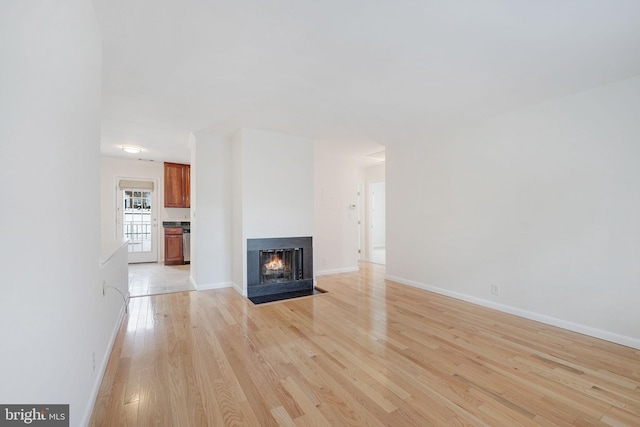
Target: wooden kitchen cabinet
(173, 250)
(177, 185)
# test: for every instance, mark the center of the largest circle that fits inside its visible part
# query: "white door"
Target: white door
(138, 223)
(377, 215)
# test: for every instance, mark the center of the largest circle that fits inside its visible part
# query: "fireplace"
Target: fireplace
(279, 265)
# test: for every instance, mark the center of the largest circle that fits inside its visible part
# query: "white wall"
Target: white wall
(543, 202)
(376, 173)
(211, 226)
(273, 190)
(238, 244)
(336, 223)
(53, 316)
(111, 169)
(193, 197)
(277, 185)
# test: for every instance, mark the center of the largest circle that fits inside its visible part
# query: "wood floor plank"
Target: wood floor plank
(369, 352)
(337, 404)
(282, 417)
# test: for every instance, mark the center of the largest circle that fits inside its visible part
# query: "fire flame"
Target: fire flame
(274, 264)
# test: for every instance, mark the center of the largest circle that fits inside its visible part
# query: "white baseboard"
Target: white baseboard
(220, 285)
(210, 286)
(564, 324)
(336, 271)
(103, 366)
(239, 289)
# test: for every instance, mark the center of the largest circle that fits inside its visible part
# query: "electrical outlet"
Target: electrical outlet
(495, 289)
(93, 361)
(324, 261)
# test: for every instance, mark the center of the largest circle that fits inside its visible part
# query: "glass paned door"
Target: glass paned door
(139, 225)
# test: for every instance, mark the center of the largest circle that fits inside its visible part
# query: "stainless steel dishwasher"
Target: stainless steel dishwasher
(186, 244)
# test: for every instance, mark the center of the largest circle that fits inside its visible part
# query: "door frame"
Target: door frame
(371, 222)
(152, 256)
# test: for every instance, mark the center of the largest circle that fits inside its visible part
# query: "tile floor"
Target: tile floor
(157, 278)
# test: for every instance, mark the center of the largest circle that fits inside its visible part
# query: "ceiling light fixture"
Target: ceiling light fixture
(131, 149)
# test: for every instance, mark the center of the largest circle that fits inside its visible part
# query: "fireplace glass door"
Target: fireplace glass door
(280, 265)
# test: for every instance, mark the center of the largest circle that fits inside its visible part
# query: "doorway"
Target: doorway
(377, 220)
(137, 219)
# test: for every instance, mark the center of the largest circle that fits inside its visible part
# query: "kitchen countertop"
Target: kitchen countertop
(176, 224)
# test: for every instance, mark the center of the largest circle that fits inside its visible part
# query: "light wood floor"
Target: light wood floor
(368, 353)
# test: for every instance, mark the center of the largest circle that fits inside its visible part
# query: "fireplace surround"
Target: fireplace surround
(279, 265)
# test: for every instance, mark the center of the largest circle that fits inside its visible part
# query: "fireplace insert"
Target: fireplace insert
(279, 265)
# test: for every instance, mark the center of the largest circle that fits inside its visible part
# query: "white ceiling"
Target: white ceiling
(371, 71)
